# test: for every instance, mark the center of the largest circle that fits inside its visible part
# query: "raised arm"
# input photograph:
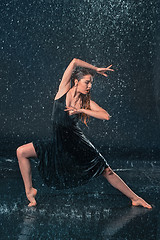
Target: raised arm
(68, 72)
(65, 84)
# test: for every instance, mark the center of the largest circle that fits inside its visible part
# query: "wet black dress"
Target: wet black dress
(70, 159)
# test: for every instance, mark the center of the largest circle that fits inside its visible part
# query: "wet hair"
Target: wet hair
(78, 74)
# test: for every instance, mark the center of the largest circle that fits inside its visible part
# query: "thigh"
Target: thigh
(28, 150)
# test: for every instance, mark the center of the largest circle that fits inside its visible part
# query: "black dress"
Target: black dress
(69, 159)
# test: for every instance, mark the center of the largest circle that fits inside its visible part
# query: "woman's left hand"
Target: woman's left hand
(73, 110)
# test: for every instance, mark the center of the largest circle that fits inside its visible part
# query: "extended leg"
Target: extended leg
(118, 183)
(23, 154)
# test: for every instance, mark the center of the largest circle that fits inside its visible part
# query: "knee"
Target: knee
(20, 151)
(108, 171)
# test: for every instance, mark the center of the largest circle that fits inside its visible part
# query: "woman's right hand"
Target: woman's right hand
(103, 70)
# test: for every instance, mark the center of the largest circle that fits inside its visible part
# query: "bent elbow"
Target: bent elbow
(107, 117)
(74, 61)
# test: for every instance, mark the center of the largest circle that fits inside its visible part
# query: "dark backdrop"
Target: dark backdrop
(40, 38)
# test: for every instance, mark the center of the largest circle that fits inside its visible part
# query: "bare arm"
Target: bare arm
(96, 111)
(79, 63)
(68, 72)
(65, 84)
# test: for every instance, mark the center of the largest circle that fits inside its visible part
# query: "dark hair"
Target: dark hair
(78, 74)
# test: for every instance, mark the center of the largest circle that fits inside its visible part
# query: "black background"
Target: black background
(40, 38)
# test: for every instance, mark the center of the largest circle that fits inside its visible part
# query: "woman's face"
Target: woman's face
(85, 84)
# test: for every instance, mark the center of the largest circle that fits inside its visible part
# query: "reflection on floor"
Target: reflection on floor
(94, 211)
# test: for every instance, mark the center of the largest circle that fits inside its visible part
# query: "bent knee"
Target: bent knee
(20, 151)
(26, 150)
(108, 171)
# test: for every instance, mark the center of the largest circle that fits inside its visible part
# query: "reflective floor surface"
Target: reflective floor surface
(95, 211)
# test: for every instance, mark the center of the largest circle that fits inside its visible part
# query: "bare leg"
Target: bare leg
(23, 154)
(118, 183)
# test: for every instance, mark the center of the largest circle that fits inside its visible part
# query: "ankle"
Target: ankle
(28, 190)
(135, 198)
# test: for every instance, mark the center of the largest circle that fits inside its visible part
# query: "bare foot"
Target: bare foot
(140, 202)
(31, 197)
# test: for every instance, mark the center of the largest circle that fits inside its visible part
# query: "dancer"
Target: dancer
(70, 159)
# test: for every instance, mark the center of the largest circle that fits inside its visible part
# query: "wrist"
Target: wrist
(81, 110)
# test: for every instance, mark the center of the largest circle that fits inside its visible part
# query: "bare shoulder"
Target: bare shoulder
(62, 91)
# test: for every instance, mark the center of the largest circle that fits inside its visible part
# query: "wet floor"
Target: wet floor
(94, 211)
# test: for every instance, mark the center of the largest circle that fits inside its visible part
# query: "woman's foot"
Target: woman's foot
(31, 197)
(140, 202)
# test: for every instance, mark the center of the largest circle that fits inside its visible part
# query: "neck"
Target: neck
(75, 94)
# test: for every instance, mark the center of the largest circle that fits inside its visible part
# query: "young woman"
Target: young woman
(70, 159)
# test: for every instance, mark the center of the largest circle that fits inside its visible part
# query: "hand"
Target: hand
(73, 110)
(103, 70)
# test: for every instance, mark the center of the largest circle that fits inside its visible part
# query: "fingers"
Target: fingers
(104, 74)
(103, 70)
(109, 68)
(70, 109)
(66, 109)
